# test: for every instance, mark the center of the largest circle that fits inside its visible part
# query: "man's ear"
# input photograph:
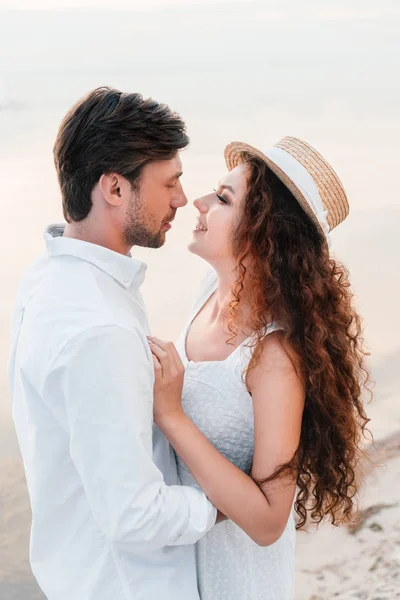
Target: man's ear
(112, 186)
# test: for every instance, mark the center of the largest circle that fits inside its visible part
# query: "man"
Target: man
(107, 524)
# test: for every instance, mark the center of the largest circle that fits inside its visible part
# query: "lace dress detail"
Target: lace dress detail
(230, 566)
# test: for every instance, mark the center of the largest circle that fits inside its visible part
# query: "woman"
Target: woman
(269, 408)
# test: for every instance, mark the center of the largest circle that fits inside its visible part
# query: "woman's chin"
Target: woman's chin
(192, 247)
(195, 247)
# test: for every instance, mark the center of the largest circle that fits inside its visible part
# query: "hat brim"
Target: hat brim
(234, 156)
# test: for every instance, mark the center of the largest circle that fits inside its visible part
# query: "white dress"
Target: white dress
(230, 566)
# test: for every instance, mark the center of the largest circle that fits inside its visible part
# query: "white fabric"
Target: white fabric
(230, 566)
(106, 525)
(303, 180)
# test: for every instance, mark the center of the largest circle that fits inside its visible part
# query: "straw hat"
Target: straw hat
(306, 174)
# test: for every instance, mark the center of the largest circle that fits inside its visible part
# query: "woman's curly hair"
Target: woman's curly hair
(292, 280)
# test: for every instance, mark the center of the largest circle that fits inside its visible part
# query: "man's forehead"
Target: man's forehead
(172, 167)
(164, 169)
(178, 164)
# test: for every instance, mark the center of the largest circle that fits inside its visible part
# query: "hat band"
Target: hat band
(305, 183)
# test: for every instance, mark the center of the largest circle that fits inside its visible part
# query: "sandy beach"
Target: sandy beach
(362, 560)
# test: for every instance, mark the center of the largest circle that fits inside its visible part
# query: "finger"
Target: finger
(157, 366)
(161, 343)
(166, 345)
(170, 349)
(171, 361)
(158, 351)
(163, 357)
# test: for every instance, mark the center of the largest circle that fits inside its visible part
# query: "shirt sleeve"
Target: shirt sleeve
(105, 379)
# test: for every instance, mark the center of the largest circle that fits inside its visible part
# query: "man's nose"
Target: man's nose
(180, 198)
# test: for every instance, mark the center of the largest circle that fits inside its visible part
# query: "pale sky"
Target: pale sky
(274, 9)
(131, 5)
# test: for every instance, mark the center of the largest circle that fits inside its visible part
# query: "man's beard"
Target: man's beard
(141, 227)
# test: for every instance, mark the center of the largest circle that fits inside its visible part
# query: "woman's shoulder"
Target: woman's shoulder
(277, 357)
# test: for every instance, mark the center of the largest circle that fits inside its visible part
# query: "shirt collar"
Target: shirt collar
(122, 268)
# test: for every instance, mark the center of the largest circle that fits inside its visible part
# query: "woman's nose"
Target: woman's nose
(201, 204)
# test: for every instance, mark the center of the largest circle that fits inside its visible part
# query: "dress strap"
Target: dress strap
(245, 351)
(207, 287)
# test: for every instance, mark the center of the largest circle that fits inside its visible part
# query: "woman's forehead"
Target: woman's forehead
(236, 180)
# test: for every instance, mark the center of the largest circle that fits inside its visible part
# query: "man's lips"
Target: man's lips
(167, 225)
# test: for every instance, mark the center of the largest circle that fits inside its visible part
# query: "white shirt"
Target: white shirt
(107, 524)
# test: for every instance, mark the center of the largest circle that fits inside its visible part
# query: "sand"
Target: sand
(360, 561)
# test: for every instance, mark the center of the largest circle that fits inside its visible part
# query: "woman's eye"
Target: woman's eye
(221, 198)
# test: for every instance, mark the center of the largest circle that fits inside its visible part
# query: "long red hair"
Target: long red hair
(290, 278)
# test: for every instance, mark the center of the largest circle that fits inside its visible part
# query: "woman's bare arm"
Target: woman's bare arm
(278, 400)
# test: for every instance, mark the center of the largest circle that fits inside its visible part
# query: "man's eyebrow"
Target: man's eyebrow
(176, 176)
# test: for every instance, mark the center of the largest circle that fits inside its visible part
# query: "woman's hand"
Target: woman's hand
(168, 384)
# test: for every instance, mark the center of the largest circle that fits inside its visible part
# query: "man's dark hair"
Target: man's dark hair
(111, 131)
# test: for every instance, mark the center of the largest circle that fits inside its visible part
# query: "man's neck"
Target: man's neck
(95, 235)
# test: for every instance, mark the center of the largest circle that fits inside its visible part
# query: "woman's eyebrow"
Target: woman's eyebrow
(227, 187)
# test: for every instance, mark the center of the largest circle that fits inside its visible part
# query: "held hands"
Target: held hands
(168, 384)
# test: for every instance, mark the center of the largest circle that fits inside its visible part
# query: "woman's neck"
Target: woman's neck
(220, 310)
